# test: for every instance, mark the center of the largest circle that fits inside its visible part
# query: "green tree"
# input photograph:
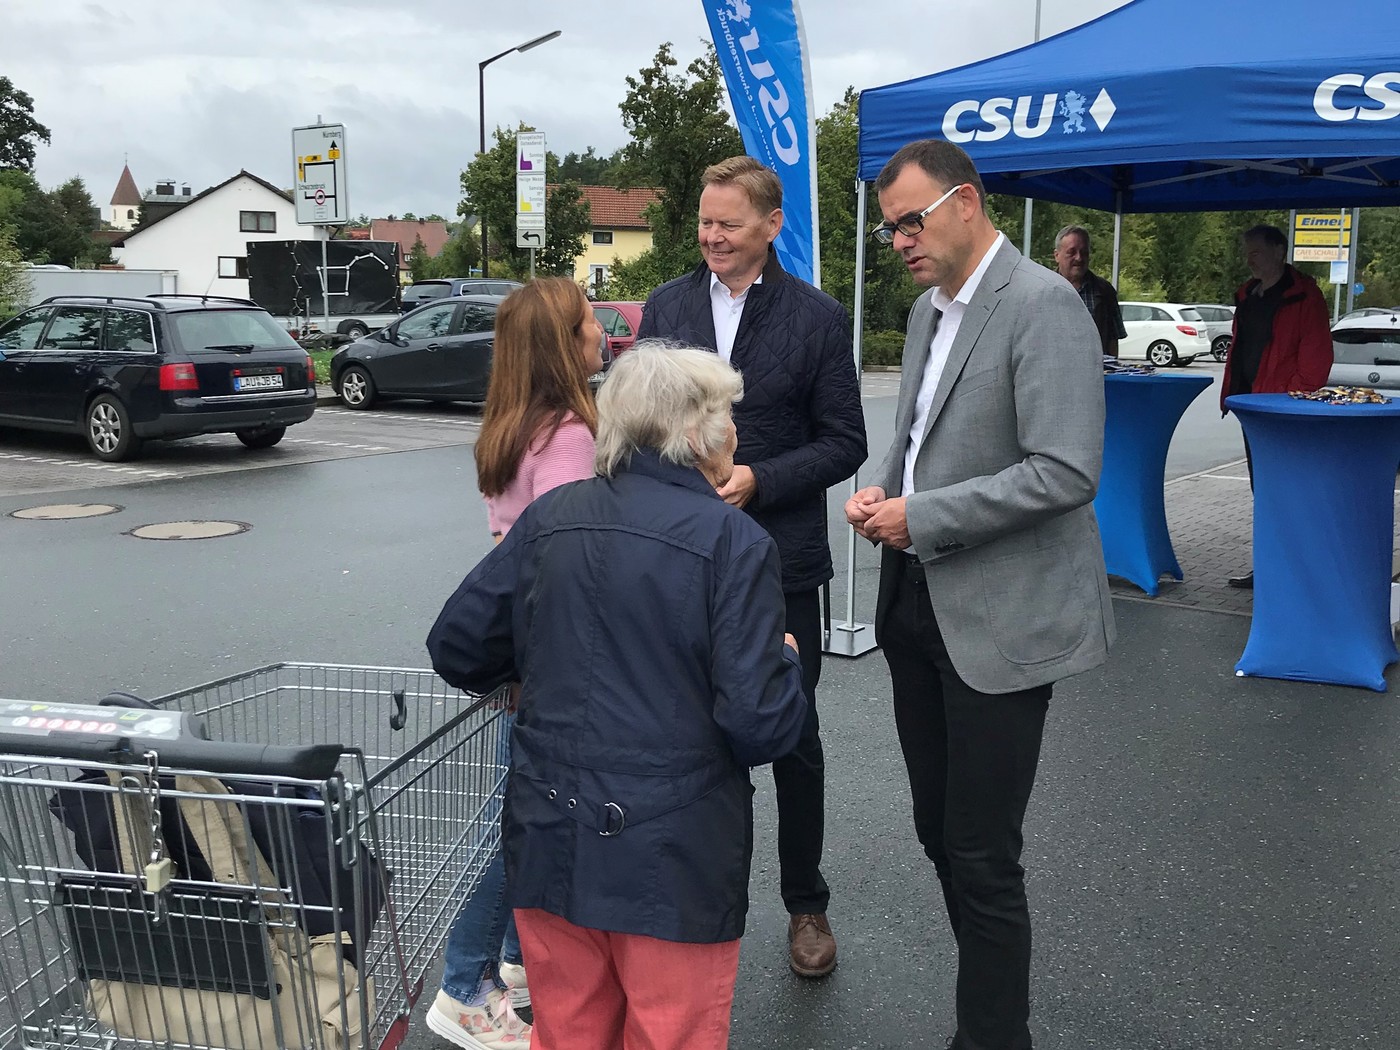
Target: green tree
(56, 226)
(488, 188)
(418, 260)
(679, 126)
(889, 291)
(19, 131)
(14, 282)
(460, 256)
(589, 169)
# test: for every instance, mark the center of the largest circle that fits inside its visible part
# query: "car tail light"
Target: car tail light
(310, 371)
(1186, 329)
(178, 377)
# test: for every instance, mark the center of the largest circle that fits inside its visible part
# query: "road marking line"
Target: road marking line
(1204, 473)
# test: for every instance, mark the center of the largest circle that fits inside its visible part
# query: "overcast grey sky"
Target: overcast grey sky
(196, 90)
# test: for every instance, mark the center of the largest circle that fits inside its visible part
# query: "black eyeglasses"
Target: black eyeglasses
(910, 225)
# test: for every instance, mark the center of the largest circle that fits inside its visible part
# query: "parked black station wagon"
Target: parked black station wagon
(121, 371)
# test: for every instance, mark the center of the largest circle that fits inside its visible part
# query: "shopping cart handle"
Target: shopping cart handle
(105, 733)
(310, 762)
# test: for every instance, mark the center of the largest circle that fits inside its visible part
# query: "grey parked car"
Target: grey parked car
(1220, 325)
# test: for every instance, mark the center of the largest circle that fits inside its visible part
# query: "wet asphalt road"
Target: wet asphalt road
(1212, 861)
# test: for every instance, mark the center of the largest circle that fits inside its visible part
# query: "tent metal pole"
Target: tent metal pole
(851, 638)
(1117, 235)
(1030, 204)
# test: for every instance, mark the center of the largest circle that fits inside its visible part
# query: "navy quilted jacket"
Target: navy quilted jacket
(801, 427)
(644, 619)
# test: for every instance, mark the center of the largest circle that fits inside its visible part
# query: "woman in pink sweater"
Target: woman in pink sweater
(537, 434)
(539, 424)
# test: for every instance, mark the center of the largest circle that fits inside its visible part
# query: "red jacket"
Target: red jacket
(1299, 352)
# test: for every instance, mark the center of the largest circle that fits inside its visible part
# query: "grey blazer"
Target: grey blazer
(1001, 516)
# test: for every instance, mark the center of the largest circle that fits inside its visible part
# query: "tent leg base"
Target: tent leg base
(851, 640)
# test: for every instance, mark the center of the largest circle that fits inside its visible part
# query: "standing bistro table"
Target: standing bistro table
(1141, 413)
(1324, 521)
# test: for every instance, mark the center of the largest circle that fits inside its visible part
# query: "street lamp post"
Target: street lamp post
(481, 101)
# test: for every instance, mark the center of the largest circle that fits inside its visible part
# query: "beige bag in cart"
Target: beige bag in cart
(314, 1002)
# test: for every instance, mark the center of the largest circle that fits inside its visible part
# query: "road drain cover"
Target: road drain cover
(62, 511)
(189, 530)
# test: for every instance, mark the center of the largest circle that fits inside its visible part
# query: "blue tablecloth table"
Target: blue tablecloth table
(1324, 522)
(1141, 413)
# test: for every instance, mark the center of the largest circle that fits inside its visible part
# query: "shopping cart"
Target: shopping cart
(267, 862)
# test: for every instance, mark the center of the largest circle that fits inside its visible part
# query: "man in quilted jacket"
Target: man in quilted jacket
(801, 430)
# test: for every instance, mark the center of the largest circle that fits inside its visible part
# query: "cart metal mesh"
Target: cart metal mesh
(403, 828)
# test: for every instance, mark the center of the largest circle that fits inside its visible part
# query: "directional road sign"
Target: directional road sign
(318, 153)
(529, 188)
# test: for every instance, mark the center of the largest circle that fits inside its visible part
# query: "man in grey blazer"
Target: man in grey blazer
(992, 584)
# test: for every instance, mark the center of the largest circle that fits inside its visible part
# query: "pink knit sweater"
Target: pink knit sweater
(566, 456)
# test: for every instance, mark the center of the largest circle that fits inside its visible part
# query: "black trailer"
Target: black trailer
(362, 278)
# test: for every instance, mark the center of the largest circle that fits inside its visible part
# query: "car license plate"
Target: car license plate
(268, 382)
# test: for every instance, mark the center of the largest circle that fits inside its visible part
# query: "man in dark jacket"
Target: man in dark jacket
(1282, 337)
(801, 430)
(1098, 296)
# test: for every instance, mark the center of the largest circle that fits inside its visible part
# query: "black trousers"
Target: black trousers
(971, 759)
(800, 777)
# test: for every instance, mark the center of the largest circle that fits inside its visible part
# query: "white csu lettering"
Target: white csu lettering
(774, 106)
(1379, 88)
(997, 114)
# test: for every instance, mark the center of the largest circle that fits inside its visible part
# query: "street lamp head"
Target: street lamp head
(539, 40)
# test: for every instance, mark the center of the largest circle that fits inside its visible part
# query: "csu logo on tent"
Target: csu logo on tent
(1000, 117)
(772, 96)
(1332, 102)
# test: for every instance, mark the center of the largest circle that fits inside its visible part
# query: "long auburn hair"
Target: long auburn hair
(537, 377)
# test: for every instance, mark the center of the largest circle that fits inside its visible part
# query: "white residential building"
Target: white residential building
(206, 238)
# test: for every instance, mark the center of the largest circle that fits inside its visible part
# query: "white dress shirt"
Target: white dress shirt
(951, 311)
(727, 310)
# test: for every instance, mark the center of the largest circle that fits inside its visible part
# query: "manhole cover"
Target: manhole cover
(189, 530)
(61, 511)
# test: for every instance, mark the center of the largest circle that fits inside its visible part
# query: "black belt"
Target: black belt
(910, 560)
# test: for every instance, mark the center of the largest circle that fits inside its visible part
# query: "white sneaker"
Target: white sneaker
(513, 975)
(485, 1027)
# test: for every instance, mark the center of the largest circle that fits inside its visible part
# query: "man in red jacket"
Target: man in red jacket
(1282, 336)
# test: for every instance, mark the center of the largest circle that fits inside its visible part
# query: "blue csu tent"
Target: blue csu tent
(1174, 105)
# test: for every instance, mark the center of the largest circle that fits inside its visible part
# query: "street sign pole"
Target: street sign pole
(532, 264)
(321, 195)
(325, 284)
(1341, 247)
(1351, 258)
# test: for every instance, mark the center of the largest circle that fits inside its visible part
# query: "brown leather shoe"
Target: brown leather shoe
(811, 946)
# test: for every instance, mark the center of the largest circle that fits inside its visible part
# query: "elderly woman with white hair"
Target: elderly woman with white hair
(644, 618)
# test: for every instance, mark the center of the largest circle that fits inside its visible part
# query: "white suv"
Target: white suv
(1366, 351)
(1164, 333)
(1220, 327)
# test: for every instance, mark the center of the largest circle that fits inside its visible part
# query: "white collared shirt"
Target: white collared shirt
(728, 310)
(951, 311)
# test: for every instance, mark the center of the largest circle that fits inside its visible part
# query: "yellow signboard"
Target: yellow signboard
(1321, 221)
(1322, 237)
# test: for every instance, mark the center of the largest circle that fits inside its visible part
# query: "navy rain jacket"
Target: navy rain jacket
(801, 426)
(644, 618)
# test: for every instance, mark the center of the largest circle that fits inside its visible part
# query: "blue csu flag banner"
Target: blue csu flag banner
(763, 52)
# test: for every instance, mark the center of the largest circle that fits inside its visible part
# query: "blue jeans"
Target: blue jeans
(484, 931)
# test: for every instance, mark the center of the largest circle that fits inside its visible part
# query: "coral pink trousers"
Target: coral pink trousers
(593, 990)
